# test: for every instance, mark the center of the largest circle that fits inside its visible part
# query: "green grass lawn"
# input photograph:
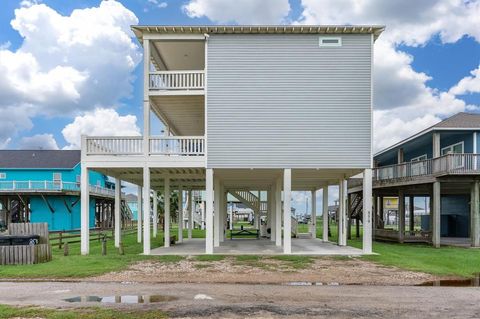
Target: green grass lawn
(85, 313)
(417, 257)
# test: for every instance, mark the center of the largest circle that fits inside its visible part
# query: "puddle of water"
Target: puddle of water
(474, 282)
(125, 299)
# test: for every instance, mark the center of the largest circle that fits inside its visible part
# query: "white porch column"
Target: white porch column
(139, 214)
(166, 214)
(273, 214)
(146, 211)
(223, 210)
(325, 213)
(313, 216)
(367, 211)
(278, 212)
(287, 213)
(155, 214)
(84, 208)
(216, 211)
(191, 205)
(118, 220)
(146, 98)
(436, 213)
(341, 212)
(209, 211)
(180, 215)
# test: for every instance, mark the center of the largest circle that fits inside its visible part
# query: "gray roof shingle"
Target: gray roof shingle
(460, 120)
(39, 159)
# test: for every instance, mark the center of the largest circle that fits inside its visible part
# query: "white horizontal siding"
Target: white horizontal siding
(283, 101)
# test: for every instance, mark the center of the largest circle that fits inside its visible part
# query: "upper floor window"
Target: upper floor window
(57, 179)
(453, 149)
(3, 175)
(419, 158)
(330, 41)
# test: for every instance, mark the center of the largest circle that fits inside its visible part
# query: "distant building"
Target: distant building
(44, 186)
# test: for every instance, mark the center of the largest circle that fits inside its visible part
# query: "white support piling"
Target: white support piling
(191, 205)
(166, 205)
(216, 211)
(180, 214)
(287, 213)
(325, 214)
(155, 214)
(117, 219)
(146, 211)
(209, 211)
(139, 214)
(313, 216)
(367, 211)
(278, 212)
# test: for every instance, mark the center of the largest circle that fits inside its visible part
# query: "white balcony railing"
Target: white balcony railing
(177, 145)
(129, 145)
(455, 164)
(51, 186)
(158, 145)
(177, 80)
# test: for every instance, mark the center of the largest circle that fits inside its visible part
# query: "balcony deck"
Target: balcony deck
(427, 170)
(51, 187)
(176, 150)
(190, 82)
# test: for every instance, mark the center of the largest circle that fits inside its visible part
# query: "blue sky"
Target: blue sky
(426, 62)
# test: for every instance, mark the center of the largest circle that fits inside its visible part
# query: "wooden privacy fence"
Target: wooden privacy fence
(27, 254)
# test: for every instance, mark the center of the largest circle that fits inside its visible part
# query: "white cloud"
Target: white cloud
(39, 142)
(403, 101)
(469, 84)
(100, 122)
(239, 11)
(66, 64)
(158, 4)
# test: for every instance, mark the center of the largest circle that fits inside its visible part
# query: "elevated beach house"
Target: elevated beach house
(434, 174)
(44, 186)
(246, 109)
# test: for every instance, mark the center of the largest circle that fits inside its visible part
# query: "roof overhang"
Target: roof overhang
(140, 30)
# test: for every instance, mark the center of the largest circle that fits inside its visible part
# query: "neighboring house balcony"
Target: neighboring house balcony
(189, 150)
(43, 187)
(425, 171)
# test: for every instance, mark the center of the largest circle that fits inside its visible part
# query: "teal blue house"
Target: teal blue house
(44, 186)
(435, 174)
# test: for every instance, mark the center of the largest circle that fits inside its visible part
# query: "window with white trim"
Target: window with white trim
(3, 175)
(419, 158)
(453, 149)
(330, 41)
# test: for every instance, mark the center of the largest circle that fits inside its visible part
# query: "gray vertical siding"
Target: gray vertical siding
(282, 101)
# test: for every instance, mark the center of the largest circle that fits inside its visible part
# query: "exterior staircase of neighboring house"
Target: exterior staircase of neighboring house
(355, 211)
(125, 211)
(252, 201)
(197, 213)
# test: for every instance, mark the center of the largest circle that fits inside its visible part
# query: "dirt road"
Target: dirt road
(259, 301)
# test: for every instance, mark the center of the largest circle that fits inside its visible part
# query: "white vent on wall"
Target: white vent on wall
(330, 41)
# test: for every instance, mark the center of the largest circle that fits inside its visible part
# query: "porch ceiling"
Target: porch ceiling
(180, 55)
(184, 114)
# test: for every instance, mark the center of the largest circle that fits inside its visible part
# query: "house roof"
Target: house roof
(139, 30)
(459, 121)
(43, 159)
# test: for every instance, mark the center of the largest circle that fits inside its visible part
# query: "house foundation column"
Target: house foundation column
(155, 214)
(118, 219)
(223, 213)
(474, 215)
(180, 215)
(139, 214)
(325, 214)
(84, 208)
(278, 212)
(287, 212)
(191, 204)
(401, 216)
(166, 213)
(273, 214)
(313, 216)
(208, 207)
(436, 214)
(342, 227)
(216, 212)
(146, 211)
(367, 211)
(411, 211)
